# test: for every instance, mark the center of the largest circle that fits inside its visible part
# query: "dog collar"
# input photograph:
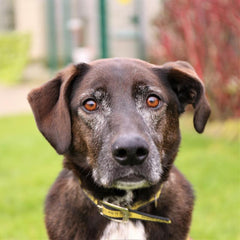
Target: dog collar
(123, 214)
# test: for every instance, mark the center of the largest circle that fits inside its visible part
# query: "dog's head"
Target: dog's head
(119, 117)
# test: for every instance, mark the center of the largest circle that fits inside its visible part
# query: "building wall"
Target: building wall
(123, 32)
(6, 15)
(30, 18)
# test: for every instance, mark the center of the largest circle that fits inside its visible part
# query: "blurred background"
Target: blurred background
(39, 37)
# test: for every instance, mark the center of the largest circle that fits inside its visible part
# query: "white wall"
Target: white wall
(30, 18)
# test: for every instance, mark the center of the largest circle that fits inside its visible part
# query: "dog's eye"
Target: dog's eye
(153, 101)
(90, 105)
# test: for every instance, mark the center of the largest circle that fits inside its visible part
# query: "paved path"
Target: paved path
(13, 100)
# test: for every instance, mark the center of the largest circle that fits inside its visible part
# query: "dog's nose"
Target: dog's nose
(130, 150)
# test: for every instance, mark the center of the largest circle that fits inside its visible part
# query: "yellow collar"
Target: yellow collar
(123, 214)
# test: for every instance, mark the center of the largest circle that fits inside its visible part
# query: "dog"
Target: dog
(116, 122)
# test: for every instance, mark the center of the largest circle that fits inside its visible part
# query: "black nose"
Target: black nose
(130, 150)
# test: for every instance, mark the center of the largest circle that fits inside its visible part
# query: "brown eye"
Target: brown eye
(153, 101)
(90, 105)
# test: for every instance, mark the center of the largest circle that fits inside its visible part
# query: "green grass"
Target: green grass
(211, 162)
(28, 167)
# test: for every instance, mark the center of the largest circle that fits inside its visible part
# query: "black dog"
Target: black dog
(116, 121)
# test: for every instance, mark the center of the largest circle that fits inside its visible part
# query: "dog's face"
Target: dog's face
(124, 111)
(120, 117)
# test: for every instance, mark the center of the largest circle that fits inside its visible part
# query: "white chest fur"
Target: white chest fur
(124, 231)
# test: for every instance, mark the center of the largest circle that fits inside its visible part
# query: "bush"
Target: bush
(14, 49)
(207, 34)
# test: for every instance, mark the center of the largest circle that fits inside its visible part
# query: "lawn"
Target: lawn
(28, 166)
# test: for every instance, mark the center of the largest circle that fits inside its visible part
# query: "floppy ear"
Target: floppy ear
(189, 90)
(49, 104)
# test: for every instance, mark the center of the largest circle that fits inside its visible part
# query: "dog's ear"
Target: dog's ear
(49, 104)
(189, 90)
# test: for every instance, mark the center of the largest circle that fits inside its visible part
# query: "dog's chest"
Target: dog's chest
(124, 231)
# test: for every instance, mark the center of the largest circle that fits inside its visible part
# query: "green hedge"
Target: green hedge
(14, 53)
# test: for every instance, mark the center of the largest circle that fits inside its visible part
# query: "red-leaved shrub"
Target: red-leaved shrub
(207, 34)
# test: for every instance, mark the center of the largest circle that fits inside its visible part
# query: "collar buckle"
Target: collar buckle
(124, 211)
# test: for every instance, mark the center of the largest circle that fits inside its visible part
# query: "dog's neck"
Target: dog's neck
(123, 201)
(121, 211)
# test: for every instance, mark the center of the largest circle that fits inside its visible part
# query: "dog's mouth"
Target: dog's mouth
(131, 182)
